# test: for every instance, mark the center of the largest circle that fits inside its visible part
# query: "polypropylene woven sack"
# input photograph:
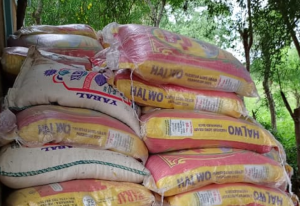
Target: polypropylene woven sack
(232, 194)
(13, 58)
(44, 81)
(83, 192)
(43, 124)
(170, 130)
(23, 167)
(163, 57)
(176, 97)
(183, 171)
(67, 44)
(78, 29)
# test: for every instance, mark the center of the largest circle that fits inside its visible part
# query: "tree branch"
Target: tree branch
(153, 16)
(286, 103)
(163, 2)
(37, 12)
(282, 9)
(250, 25)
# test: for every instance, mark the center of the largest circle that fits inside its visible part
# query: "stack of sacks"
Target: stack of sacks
(74, 39)
(13, 58)
(77, 40)
(203, 150)
(77, 138)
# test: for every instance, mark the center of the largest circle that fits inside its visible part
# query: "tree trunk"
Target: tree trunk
(38, 12)
(297, 134)
(247, 56)
(247, 36)
(283, 10)
(296, 118)
(160, 13)
(297, 97)
(21, 11)
(156, 11)
(292, 32)
(270, 102)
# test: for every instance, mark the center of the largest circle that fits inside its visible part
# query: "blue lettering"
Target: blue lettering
(231, 130)
(89, 96)
(63, 128)
(81, 94)
(259, 196)
(154, 70)
(152, 95)
(43, 129)
(97, 98)
(203, 176)
(249, 132)
(180, 183)
(189, 181)
(238, 131)
(160, 97)
(106, 100)
(274, 200)
(144, 94)
(113, 102)
(161, 72)
(133, 91)
(59, 77)
(51, 148)
(176, 73)
(243, 131)
(255, 134)
(140, 93)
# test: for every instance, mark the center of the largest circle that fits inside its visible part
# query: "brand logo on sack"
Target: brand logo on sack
(92, 86)
(78, 75)
(55, 147)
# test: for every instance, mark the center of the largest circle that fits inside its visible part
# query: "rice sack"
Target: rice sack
(232, 194)
(13, 58)
(176, 97)
(22, 167)
(163, 57)
(183, 171)
(44, 81)
(78, 29)
(170, 130)
(43, 124)
(67, 44)
(83, 192)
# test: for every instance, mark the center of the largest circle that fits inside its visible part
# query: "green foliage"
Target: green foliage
(285, 126)
(288, 73)
(194, 23)
(94, 13)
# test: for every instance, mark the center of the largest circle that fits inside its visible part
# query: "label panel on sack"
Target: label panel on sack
(119, 140)
(56, 187)
(88, 201)
(209, 198)
(179, 127)
(228, 84)
(207, 103)
(256, 172)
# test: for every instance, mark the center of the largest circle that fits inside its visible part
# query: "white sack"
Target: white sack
(22, 167)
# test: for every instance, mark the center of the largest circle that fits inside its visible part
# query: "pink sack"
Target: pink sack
(170, 130)
(163, 57)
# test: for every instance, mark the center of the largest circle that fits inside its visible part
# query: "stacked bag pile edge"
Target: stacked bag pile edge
(83, 114)
(72, 144)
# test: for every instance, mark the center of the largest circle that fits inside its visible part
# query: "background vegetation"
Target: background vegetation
(264, 34)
